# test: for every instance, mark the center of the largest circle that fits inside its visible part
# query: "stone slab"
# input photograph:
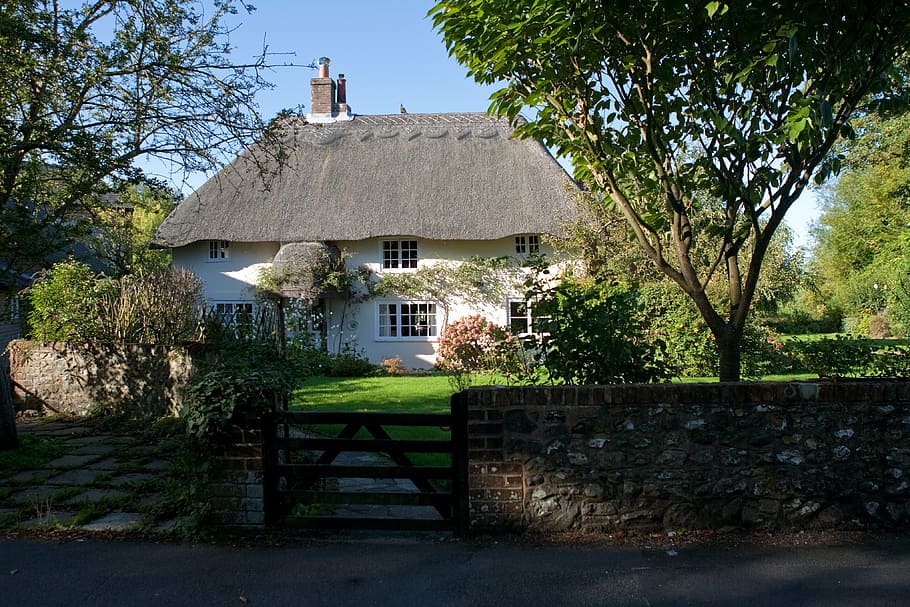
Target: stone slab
(107, 464)
(96, 495)
(79, 476)
(27, 476)
(132, 478)
(87, 441)
(34, 495)
(71, 461)
(115, 521)
(94, 449)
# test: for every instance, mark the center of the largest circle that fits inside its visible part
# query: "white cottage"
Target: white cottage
(395, 193)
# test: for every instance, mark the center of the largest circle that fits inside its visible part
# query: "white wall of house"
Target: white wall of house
(361, 323)
(355, 325)
(231, 278)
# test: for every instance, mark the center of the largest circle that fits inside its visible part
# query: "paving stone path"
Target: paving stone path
(101, 481)
(104, 481)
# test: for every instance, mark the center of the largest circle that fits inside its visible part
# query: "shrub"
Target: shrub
(837, 357)
(71, 303)
(670, 318)
(393, 366)
(763, 353)
(64, 304)
(592, 334)
(230, 389)
(473, 344)
(468, 345)
(350, 364)
(157, 307)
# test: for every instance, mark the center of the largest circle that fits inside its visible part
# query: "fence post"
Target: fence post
(460, 517)
(269, 467)
(8, 437)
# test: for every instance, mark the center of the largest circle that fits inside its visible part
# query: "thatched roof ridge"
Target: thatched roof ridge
(436, 176)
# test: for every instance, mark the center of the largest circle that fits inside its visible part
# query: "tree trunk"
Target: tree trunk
(8, 437)
(729, 353)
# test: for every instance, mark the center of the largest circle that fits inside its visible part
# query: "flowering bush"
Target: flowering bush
(473, 344)
(469, 345)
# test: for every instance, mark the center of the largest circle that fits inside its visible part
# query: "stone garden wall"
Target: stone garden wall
(648, 457)
(74, 379)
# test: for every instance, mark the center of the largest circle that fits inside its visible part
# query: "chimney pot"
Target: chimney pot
(341, 90)
(324, 67)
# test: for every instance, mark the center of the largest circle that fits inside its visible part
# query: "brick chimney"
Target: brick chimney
(324, 107)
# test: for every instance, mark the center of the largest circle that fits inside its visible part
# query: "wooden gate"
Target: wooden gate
(363, 477)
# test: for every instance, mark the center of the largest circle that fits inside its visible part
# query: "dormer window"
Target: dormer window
(527, 243)
(219, 250)
(399, 254)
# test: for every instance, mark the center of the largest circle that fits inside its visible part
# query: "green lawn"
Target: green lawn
(397, 394)
(404, 394)
(408, 394)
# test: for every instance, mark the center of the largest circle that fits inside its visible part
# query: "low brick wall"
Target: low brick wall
(236, 487)
(772, 455)
(651, 457)
(70, 378)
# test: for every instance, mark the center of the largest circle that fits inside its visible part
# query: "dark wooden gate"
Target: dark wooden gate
(336, 481)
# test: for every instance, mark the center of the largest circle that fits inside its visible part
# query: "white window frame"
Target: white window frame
(390, 325)
(527, 243)
(219, 250)
(399, 263)
(528, 317)
(228, 312)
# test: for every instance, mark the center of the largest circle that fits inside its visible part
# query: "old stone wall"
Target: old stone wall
(139, 379)
(648, 457)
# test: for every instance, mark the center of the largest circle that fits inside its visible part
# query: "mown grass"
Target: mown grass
(394, 394)
(401, 394)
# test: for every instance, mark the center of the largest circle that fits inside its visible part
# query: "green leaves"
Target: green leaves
(738, 100)
(90, 88)
(713, 7)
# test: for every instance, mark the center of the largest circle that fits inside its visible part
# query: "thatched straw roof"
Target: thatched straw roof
(435, 176)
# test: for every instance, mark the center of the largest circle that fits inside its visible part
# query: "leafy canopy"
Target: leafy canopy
(862, 252)
(660, 104)
(89, 90)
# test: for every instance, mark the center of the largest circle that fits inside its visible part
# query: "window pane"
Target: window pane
(408, 253)
(534, 243)
(388, 320)
(520, 244)
(390, 254)
(518, 317)
(410, 319)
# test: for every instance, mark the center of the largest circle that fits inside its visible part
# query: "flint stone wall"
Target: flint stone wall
(139, 379)
(672, 456)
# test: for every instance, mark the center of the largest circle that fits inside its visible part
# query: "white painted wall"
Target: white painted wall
(352, 325)
(229, 279)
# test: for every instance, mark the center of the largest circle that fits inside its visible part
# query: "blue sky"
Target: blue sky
(389, 54)
(387, 50)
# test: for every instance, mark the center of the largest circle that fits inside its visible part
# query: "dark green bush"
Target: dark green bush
(350, 364)
(669, 317)
(592, 336)
(232, 388)
(844, 356)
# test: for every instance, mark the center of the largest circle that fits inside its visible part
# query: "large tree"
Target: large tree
(659, 103)
(862, 250)
(87, 91)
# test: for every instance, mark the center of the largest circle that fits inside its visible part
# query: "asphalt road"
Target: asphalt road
(92, 572)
